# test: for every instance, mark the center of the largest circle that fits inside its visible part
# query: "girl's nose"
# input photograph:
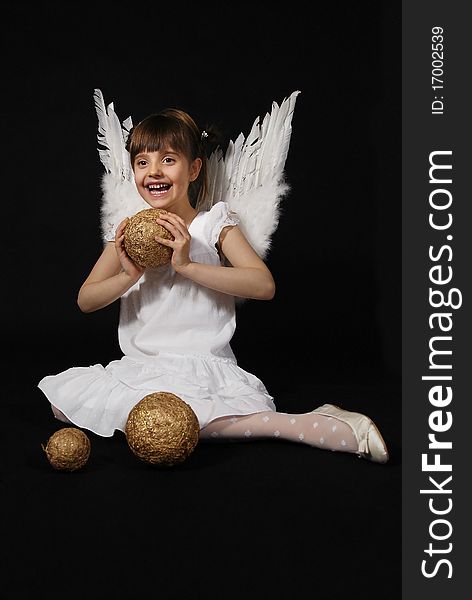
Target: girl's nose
(155, 169)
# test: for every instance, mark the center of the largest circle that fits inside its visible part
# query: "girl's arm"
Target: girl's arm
(248, 277)
(113, 274)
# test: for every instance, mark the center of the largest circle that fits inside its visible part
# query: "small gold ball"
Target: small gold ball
(68, 449)
(139, 241)
(162, 429)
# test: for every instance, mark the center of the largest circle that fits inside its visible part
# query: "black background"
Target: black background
(238, 517)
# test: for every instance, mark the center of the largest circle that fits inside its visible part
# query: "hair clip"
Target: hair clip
(204, 135)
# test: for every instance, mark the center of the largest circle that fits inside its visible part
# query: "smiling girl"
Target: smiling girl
(177, 320)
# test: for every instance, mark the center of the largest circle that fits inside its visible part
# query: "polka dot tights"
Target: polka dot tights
(307, 428)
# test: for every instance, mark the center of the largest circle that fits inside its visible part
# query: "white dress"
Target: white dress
(175, 337)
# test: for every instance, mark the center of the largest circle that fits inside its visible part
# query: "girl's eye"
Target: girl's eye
(141, 163)
(168, 159)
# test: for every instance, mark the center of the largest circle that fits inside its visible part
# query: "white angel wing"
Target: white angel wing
(250, 176)
(120, 196)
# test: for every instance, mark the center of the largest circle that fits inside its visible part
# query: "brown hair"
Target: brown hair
(172, 128)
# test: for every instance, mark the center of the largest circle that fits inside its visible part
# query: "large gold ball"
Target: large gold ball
(139, 241)
(68, 449)
(162, 429)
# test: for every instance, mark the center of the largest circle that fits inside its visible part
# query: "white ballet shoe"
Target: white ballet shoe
(371, 443)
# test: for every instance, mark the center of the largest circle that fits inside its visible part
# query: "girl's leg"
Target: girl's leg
(328, 427)
(59, 415)
(307, 428)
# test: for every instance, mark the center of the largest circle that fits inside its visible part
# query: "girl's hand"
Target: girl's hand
(133, 270)
(181, 243)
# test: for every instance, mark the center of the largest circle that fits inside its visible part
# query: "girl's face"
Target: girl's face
(163, 177)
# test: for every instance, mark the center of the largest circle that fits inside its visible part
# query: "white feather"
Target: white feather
(120, 200)
(120, 196)
(250, 176)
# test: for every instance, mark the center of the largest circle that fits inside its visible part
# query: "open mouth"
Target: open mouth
(158, 189)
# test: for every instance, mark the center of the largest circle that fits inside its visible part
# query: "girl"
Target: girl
(177, 320)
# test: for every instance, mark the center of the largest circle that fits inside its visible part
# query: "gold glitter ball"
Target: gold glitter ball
(162, 429)
(139, 241)
(68, 449)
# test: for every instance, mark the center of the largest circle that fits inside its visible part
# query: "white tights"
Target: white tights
(59, 415)
(307, 428)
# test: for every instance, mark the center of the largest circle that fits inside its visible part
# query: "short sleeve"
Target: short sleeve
(108, 232)
(220, 216)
